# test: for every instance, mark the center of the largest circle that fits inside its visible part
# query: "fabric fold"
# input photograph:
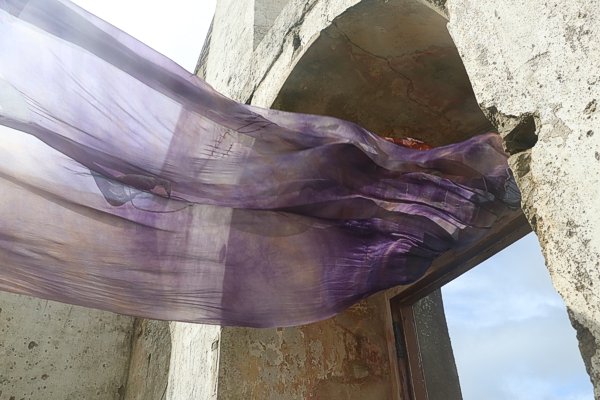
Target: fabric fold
(132, 186)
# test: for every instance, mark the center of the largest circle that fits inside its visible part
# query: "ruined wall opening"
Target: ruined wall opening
(510, 332)
(393, 68)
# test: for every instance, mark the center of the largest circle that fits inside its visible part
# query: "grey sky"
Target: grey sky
(510, 332)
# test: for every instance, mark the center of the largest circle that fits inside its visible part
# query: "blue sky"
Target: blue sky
(510, 332)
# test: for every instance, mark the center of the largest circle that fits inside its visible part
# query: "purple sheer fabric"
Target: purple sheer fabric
(130, 185)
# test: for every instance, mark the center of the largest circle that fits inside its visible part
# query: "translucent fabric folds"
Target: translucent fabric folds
(130, 185)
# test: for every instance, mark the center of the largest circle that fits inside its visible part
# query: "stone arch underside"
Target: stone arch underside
(390, 67)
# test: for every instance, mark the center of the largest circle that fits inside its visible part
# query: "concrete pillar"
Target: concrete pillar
(194, 362)
(533, 66)
(148, 372)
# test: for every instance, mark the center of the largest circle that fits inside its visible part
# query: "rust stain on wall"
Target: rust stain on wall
(344, 357)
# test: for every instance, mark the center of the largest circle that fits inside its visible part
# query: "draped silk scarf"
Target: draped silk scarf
(132, 186)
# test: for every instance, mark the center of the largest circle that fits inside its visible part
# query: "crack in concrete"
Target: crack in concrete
(539, 55)
(410, 82)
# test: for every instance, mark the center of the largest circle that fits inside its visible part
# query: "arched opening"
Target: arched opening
(390, 67)
(393, 68)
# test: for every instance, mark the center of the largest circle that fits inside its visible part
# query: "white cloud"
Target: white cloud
(510, 332)
(176, 28)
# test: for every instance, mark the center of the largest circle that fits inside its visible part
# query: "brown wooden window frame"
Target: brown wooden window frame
(403, 344)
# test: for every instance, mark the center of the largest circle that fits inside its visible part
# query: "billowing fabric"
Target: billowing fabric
(130, 185)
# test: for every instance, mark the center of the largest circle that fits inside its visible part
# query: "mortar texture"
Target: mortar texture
(534, 70)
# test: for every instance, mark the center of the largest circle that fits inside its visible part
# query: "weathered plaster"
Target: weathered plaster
(344, 357)
(399, 56)
(51, 350)
(533, 68)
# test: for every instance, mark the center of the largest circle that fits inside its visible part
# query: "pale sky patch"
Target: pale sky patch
(176, 28)
(510, 332)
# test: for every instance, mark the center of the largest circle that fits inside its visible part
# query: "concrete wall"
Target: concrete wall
(345, 358)
(399, 57)
(51, 350)
(246, 74)
(265, 14)
(319, 55)
(534, 69)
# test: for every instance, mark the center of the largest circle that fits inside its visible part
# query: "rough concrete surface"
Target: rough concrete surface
(51, 350)
(399, 57)
(251, 75)
(534, 69)
(344, 357)
(265, 14)
(149, 362)
(319, 55)
(194, 361)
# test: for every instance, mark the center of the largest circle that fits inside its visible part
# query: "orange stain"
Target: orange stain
(409, 143)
